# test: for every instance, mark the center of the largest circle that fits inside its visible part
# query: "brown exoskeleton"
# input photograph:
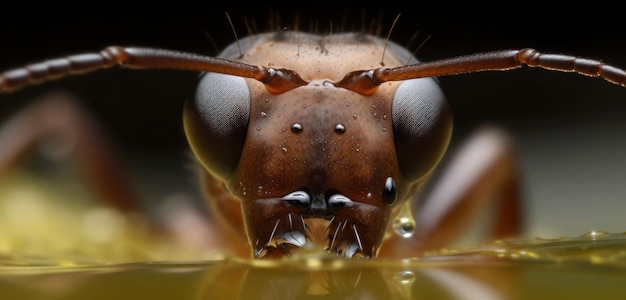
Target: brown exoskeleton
(326, 139)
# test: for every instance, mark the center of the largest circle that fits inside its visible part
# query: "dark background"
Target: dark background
(142, 110)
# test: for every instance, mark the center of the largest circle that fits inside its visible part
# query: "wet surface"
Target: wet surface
(592, 265)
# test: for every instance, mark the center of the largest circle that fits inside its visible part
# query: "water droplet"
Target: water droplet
(284, 149)
(404, 281)
(339, 128)
(296, 127)
(298, 197)
(258, 129)
(596, 234)
(351, 250)
(354, 117)
(404, 278)
(389, 192)
(404, 224)
(404, 227)
(267, 100)
(295, 238)
(263, 114)
(339, 200)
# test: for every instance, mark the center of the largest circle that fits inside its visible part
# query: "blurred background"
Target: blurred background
(570, 130)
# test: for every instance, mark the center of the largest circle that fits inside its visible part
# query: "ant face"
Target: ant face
(317, 138)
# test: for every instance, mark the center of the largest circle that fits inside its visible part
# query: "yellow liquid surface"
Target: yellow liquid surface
(592, 266)
(72, 250)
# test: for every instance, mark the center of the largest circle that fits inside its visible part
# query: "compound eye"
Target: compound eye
(216, 121)
(422, 125)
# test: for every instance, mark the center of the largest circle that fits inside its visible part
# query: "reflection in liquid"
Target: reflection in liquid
(589, 266)
(322, 276)
(302, 284)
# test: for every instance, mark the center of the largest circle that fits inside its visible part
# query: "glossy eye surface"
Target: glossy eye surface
(422, 125)
(216, 121)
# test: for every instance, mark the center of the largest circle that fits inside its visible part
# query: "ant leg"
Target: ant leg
(60, 117)
(481, 176)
